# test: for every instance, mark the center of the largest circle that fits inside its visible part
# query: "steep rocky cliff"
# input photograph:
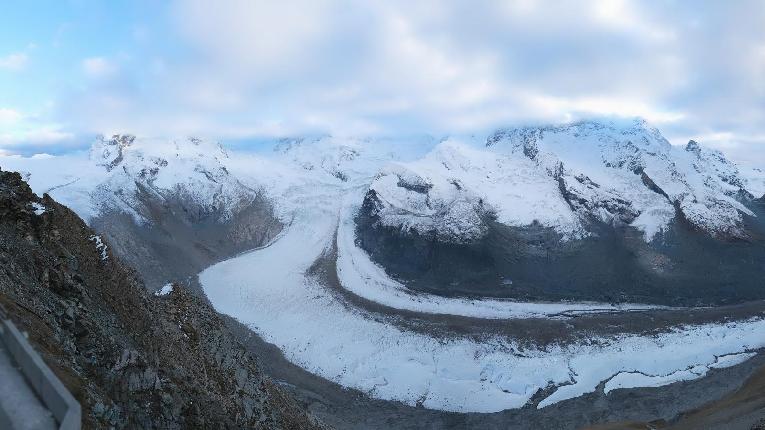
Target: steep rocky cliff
(133, 360)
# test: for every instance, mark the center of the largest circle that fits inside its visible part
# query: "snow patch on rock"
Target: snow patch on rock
(165, 290)
(38, 208)
(101, 247)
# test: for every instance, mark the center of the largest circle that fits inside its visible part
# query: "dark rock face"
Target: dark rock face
(133, 360)
(682, 267)
(181, 238)
(575, 190)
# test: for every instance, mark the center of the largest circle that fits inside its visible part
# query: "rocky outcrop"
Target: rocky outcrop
(132, 359)
(592, 203)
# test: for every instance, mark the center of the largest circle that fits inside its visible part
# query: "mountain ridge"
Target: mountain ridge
(603, 172)
(173, 207)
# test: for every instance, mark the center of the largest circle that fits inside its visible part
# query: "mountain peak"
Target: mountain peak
(612, 141)
(110, 152)
(693, 146)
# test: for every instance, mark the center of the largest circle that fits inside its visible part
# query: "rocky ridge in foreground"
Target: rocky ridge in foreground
(133, 360)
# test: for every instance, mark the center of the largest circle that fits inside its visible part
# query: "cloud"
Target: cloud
(15, 62)
(255, 36)
(240, 67)
(387, 66)
(19, 131)
(99, 67)
(9, 116)
(605, 106)
(42, 137)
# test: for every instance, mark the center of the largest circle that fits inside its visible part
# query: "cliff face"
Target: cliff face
(133, 360)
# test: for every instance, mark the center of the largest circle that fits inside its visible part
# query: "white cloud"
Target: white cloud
(19, 130)
(254, 36)
(44, 136)
(15, 62)
(624, 15)
(387, 67)
(9, 116)
(604, 106)
(431, 66)
(98, 67)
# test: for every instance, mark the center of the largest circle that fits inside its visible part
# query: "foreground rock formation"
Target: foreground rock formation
(132, 359)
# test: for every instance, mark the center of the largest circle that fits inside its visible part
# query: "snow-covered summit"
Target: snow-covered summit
(566, 178)
(188, 170)
(123, 173)
(109, 153)
(453, 191)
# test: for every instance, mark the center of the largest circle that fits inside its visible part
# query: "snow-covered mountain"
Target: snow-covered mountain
(566, 178)
(137, 176)
(119, 173)
(555, 187)
(191, 171)
(172, 207)
(169, 208)
(406, 259)
(562, 177)
(595, 210)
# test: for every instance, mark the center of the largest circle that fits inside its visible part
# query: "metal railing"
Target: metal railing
(54, 395)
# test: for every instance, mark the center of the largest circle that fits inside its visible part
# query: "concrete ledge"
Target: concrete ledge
(5, 420)
(64, 407)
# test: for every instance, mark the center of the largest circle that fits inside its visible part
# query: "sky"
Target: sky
(248, 69)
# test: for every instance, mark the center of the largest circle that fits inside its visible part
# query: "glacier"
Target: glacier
(560, 177)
